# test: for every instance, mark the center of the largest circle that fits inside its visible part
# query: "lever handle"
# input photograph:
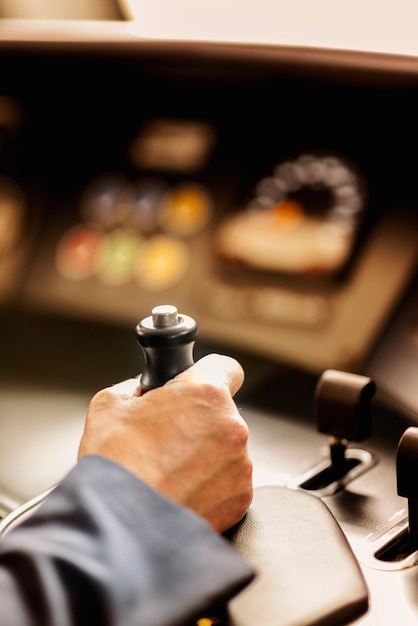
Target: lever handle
(407, 478)
(167, 340)
(407, 464)
(343, 405)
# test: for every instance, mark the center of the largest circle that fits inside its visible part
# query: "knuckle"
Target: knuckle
(237, 433)
(214, 395)
(242, 431)
(102, 399)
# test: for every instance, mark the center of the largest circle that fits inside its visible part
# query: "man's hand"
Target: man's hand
(186, 439)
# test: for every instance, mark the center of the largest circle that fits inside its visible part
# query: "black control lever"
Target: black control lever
(342, 411)
(407, 480)
(167, 340)
(399, 547)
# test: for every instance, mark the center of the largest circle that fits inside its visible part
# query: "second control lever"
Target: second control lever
(407, 481)
(398, 545)
(343, 412)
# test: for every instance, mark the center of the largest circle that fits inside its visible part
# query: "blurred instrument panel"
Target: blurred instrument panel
(270, 193)
(276, 206)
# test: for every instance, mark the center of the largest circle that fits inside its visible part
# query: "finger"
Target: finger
(126, 388)
(216, 369)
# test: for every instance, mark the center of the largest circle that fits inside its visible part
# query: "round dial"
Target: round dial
(302, 219)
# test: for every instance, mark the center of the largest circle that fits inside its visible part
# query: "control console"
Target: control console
(369, 489)
(332, 529)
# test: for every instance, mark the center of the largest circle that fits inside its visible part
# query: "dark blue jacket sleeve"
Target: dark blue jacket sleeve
(105, 549)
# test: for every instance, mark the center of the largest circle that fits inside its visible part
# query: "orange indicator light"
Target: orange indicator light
(186, 209)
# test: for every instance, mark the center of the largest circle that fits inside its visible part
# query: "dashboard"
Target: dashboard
(269, 192)
(160, 179)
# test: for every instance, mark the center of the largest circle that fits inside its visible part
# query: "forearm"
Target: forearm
(105, 548)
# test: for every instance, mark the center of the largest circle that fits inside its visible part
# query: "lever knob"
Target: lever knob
(343, 405)
(407, 464)
(167, 340)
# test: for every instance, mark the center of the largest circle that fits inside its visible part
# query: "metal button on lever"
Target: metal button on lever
(167, 340)
(165, 316)
(342, 411)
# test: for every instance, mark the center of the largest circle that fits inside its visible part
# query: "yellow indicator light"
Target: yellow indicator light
(185, 209)
(205, 621)
(161, 262)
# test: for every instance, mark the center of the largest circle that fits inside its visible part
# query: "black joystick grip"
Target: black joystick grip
(167, 340)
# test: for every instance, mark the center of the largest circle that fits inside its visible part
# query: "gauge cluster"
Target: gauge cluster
(302, 220)
(261, 203)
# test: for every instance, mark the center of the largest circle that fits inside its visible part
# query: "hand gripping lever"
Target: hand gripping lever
(167, 339)
(275, 534)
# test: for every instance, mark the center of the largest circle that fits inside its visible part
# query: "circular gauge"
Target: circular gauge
(327, 186)
(117, 256)
(185, 209)
(100, 201)
(161, 262)
(12, 214)
(140, 203)
(79, 252)
(302, 219)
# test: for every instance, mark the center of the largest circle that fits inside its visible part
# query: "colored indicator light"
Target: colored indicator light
(78, 254)
(161, 262)
(101, 200)
(117, 255)
(186, 209)
(286, 215)
(140, 202)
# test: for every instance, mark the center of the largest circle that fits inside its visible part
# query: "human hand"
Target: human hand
(186, 439)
